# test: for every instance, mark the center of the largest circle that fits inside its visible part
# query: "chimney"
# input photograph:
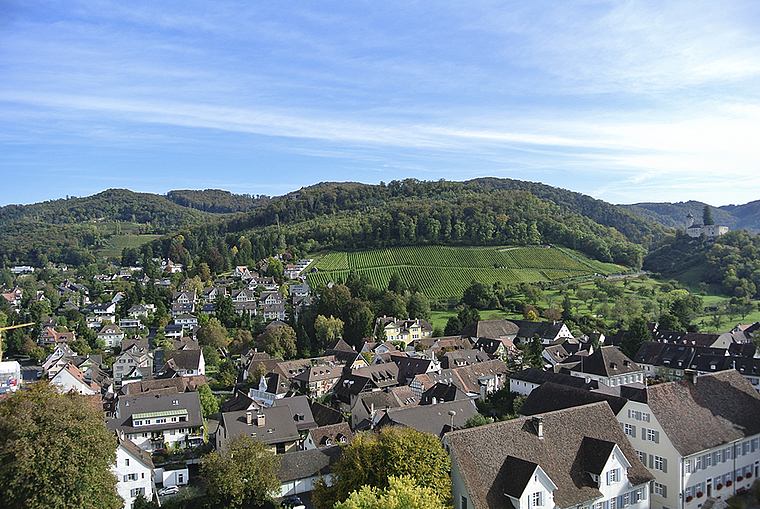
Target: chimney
(691, 375)
(248, 418)
(260, 420)
(538, 423)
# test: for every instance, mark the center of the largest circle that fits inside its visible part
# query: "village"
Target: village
(676, 426)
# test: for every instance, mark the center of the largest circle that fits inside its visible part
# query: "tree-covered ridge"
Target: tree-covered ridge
(110, 205)
(417, 213)
(736, 217)
(216, 200)
(70, 230)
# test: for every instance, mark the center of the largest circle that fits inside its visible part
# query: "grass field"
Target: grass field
(440, 271)
(117, 243)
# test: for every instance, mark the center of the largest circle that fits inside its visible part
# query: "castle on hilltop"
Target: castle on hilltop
(711, 231)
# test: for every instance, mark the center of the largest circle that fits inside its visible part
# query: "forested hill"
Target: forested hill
(216, 200)
(483, 212)
(110, 205)
(69, 230)
(736, 217)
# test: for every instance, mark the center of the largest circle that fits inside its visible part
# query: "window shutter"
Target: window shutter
(665, 465)
(644, 458)
(651, 461)
(656, 437)
(643, 433)
(664, 491)
(608, 478)
(633, 428)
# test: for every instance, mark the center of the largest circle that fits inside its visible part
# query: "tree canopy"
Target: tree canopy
(372, 459)
(242, 473)
(55, 452)
(402, 493)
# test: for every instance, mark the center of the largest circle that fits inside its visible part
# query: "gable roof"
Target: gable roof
(309, 463)
(325, 436)
(433, 419)
(481, 454)
(183, 359)
(715, 409)
(540, 377)
(551, 397)
(607, 361)
(493, 329)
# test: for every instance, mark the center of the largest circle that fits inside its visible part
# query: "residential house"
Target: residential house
(51, 337)
(300, 409)
(186, 321)
(134, 472)
(242, 272)
(317, 381)
(300, 470)
(130, 323)
(182, 363)
(159, 419)
(56, 360)
(405, 330)
(301, 290)
(476, 380)
(369, 407)
(498, 348)
(274, 426)
(112, 335)
(459, 358)
(529, 379)
(607, 365)
(327, 436)
(434, 419)
(518, 331)
(71, 378)
(573, 458)
(699, 436)
(271, 306)
(14, 297)
(135, 355)
(290, 271)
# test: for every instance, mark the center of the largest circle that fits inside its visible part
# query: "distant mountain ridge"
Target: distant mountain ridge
(736, 217)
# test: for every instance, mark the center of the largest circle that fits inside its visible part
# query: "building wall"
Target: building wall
(666, 474)
(138, 476)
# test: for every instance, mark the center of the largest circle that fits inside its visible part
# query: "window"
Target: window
(130, 477)
(698, 464)
(629, 429)
(537, 499)
(613, 503)
(653, 436)
(136, 492)
(464, 502)
(613, 476)
(687, 466)
(126, 462)
(659, 463)
(659, 489)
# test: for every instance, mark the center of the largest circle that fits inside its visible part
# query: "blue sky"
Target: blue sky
(625, 101)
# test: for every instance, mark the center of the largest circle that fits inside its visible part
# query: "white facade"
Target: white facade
(686, 482)
(133, 477)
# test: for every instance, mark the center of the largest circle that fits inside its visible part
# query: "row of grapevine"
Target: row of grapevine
(433, 281)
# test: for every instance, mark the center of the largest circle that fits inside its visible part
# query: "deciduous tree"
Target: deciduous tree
(371, 459)
(55, 452)
(402, 493)
(243, 472)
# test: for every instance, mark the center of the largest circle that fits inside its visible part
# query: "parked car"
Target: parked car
(169, 490)
(292, 502)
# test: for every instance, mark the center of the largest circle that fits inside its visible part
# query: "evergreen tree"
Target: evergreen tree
(707, 216)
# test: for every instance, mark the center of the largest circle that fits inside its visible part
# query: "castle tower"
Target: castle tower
(689, 220)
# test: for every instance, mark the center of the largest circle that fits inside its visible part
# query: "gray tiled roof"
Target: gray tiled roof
(279, 425)
(551, 397)
(434, 419)
(607, 361)
(481, 454)
(717, 409)
(493, 329)
(157, 402)
(311, 463)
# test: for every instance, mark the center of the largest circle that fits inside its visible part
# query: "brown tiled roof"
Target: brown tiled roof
(433, 419)
(493, 329)
(481, 454)
(332, 434)
(717, 409)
